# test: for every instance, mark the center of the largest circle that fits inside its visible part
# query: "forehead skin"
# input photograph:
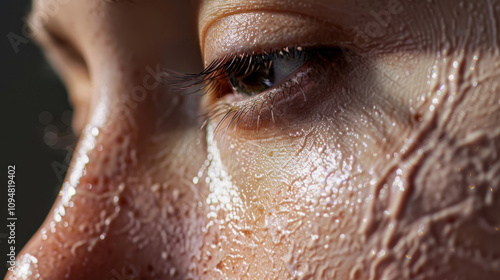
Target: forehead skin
(395, 178)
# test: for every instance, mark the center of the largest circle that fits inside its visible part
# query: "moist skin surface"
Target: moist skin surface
(388, 168)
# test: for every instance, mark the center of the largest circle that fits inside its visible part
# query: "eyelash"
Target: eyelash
(210, 82)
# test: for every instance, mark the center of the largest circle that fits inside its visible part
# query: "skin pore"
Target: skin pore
(378, 163)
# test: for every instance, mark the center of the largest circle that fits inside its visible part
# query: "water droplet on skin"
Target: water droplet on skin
(421, 230)
(95, 131)
(27, 266)
(381, 253)
(172, 271)
(85, 159)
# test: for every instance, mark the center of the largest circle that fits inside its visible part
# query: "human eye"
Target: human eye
(262, 91)
(250, 75)
(322, 75)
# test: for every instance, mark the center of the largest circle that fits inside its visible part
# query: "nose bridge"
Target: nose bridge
(129, 176)
(96, 226)
(115, 214)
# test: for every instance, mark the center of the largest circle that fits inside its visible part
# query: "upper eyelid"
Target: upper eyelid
(41, 33)
(52, 41)
(276, 30)
(49, 39)
(205, 26)
(62, 54)
(213, 11)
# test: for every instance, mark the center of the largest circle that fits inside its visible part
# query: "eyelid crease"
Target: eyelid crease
(208, 24)
(212, 11)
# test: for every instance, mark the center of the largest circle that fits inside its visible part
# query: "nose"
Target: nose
(128, 208)
(115, 214)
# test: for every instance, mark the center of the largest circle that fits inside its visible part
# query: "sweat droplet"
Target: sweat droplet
(95, 131)
(381, 253)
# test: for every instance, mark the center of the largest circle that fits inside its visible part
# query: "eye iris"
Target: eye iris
(259, 73)
(253, 82)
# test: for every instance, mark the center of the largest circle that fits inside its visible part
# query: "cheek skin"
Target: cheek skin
(447, 182)
(419, 205)
(296, 204)
(315, 204)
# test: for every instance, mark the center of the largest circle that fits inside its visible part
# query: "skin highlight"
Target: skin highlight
(389, 171)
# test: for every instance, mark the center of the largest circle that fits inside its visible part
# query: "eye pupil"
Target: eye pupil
(253, 82)
(260, 73)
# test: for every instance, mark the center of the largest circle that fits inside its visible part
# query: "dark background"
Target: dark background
(35, 131)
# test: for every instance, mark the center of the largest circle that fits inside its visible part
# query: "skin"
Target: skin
(387, 168)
